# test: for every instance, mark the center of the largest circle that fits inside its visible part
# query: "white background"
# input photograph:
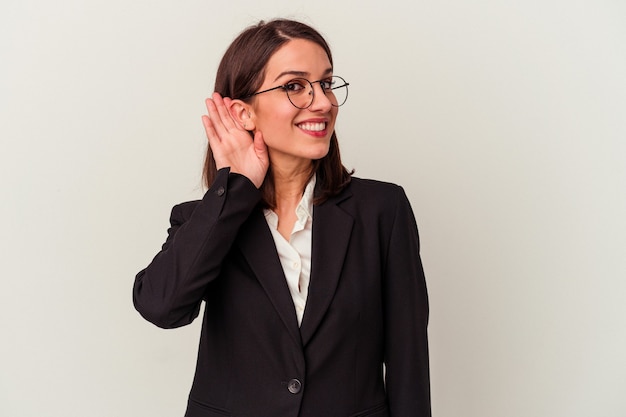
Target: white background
(505, 121)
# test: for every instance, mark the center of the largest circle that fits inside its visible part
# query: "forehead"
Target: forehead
(297, 56)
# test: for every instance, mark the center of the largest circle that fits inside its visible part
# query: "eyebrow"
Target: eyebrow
(302, 74)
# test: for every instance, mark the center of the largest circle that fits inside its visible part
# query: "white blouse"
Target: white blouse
(295, 254)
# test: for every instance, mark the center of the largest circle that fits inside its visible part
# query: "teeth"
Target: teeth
(315, 127)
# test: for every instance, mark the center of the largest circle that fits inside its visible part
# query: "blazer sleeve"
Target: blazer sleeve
(407, 377)
(170, 290)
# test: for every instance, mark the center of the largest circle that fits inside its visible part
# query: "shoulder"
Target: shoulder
(373, 196)
(366, 184)
(369, 189)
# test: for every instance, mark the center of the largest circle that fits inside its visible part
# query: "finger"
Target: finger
(216, 119)
(225, 116)
(260, 147)
(211, 134)
(228, 103)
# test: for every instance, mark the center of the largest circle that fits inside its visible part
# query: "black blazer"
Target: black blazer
(367, 306)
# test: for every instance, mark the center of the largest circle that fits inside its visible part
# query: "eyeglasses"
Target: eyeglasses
(301, 94)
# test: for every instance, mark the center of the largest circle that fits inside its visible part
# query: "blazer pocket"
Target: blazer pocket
(199, 409)
(379, 410)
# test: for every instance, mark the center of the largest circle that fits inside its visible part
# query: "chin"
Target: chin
(319, 153)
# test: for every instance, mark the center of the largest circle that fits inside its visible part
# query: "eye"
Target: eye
(295, 86)
(327, 85)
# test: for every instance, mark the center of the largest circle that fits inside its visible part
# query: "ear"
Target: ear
(241, 113)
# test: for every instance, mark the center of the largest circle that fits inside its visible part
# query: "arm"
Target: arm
(406, 319)
(169, 291)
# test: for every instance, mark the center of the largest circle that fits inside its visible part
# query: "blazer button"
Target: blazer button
(294, 386)
(220, 191)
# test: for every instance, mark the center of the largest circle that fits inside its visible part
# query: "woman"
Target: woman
(315, 298)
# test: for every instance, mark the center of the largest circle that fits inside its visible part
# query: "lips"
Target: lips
(312, 126)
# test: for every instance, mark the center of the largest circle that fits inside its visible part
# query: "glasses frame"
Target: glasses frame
(284, 88)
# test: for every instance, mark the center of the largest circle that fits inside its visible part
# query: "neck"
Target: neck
(289, 184)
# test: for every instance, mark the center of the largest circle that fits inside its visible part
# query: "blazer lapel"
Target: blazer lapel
(332, 227)
(257, 245)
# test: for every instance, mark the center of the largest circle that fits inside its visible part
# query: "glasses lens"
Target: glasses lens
(300, 92)
(336, 90)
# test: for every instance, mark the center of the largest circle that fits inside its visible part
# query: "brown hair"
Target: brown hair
(242, 71)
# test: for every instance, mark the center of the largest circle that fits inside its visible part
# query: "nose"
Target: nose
(321, 102)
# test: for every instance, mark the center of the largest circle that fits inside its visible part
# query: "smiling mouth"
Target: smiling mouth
(313, 127)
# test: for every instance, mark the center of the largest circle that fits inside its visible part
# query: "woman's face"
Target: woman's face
(292, 135)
